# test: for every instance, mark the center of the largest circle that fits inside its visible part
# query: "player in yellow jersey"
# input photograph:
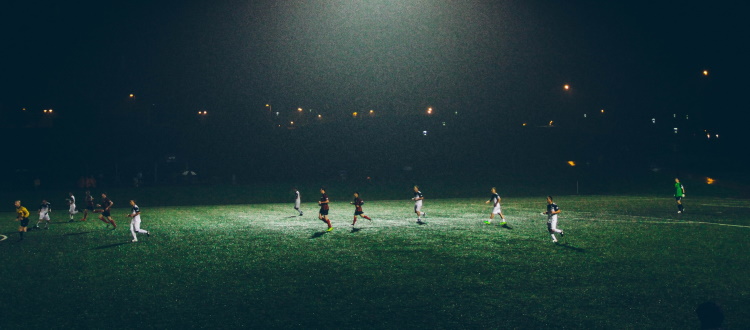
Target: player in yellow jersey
(23, 218)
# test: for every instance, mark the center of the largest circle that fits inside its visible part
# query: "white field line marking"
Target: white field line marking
(676, 222)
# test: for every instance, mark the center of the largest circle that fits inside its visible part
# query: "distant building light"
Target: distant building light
(602, 110)
(354, 114)
(708, 136)
(277, 113)
(571, 163)
(566, 87)
(674, 115)
(443, 124)
(372, 112)
(653, 120)
(291, 123)
(320, 116)
(705, 72)
(687, 117)
(299, 109)
(524, 124)
(584, 115)
(710, 180)
(717, 136)
(675, 130)
(456, 113)
(424, 133)
(429, 110)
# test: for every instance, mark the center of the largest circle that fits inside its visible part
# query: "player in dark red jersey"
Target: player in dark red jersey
(358, 208)
(89, 205)
(323, 213)
(105, 215)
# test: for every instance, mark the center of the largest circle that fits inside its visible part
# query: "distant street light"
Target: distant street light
(705, 72)
(429, 110)
(270, 108)
(566, 87)
(299, 109)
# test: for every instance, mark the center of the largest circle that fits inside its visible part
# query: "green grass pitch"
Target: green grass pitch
(625, 262)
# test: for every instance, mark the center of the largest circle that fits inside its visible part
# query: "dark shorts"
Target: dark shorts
(358, 212)
(323, 212)
(105, 213)
(90, 208)
(25, 222)
(678, 198)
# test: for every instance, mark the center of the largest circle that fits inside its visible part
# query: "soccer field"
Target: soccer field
(625, 262)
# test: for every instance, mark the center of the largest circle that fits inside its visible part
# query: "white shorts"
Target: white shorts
(552, 222)
(72, 208)
(496, 209)
(296, 204)
(44, 216)
(418, 206)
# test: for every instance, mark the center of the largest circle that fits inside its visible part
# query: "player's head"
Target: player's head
(104, 195)
(356, 194)
(132, 202)
(44, 201)
(416, 188)
(322, 190)
(677, 180)
(493, 190)
(549, 200)
(17, 203)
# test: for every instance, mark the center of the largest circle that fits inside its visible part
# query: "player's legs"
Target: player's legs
(112, 221)
(366, 217)
(328, 221)
(354, 221)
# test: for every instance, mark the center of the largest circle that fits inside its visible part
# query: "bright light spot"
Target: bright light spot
(299, 109)
(708, 136)
(675, 130)
(717, 136)
(566, 87)
(584, 115)
(524, 124)
(319, 116)
(443, 124)
(687, 117)
(268, 105)
(291, 123)
(429, 110)
(131, 95)
(571, 163)
(23, 109)
(372, 112)
(456, 113)
(710, 181)
(705, 72)
(653, 120)
(424, 133)
(551, 122)
(674, 115)
(277, 113)
(354, 114)
(602, 111)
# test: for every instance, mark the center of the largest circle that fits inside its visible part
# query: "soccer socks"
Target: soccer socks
(355, 221)
(680, 207)
(114, 225)
(366, 217)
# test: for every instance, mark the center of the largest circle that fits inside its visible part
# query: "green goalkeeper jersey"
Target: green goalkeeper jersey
(678, 189)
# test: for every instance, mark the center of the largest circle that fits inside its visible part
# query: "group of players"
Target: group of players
(552, 210)
(22, 214)
(135, 214)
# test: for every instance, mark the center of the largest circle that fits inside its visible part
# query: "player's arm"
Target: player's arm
(324, 202)
(110, 205)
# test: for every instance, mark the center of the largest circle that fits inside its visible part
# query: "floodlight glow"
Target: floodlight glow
(602, 110)
(705, 72)
(710, 180)
(131, 95)
(354, 114)
(319, 116)
(372, 112)
(571, 163)
(429, 110)
(566, 87)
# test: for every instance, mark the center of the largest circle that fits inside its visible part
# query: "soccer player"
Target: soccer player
(552, 211)
(679, 193)
(89, 205)
(297, 200)
(135, 221)
(358, 208)
(106, 216)
(495, 200)
(323, 213)
(22, 218)
(71, 206)
(44, 209)
(418, 198)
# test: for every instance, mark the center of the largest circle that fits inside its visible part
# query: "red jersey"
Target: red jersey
(324, 198)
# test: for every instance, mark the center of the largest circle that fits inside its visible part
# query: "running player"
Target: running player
(679, 193)
(106, 216)
(71, 206)
(552, 211)
(323, 213)
(297, 201)
(358, 208)
(418, 198)
(89, 205)
(22, 218)
(44, 209)
(496, 209)
(135, 222)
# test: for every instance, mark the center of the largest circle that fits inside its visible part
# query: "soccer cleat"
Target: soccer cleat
(148, 234)
(503, 223)
(329, 229)
(300, 214)
(554, 241)
(679, 212)
(135, 240)
(36, 227)
(562, 233)
(487, 222)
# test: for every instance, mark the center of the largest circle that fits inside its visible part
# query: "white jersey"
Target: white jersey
(297, 199)
(135, 213)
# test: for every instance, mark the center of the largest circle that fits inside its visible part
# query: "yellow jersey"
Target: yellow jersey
(22, 212)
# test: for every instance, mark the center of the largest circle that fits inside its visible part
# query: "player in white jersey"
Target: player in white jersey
(297, 201)
(552, 211)
(496, 208)
(44, 209)
(418, 198)
(72, 206)
(135, 221)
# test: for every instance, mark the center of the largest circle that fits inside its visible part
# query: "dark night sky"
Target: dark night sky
(502, 60)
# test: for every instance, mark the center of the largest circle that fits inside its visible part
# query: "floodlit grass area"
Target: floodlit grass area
(625, 262)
